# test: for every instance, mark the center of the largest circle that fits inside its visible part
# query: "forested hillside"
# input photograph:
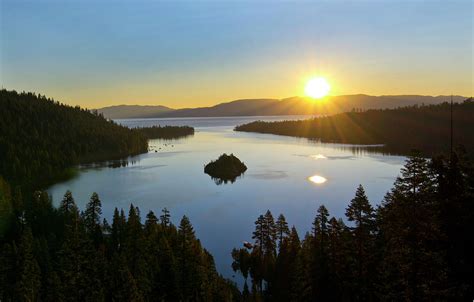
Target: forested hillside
(416, 246)
(425, 128)
(166, 132)
(286, 106)
(132, 111)
(41, 138)
(49, 254)
(64, 254)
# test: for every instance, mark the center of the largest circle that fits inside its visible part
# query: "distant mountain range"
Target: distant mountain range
(133, 111)
(288, 106)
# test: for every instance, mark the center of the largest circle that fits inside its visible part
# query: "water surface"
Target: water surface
(287, 175)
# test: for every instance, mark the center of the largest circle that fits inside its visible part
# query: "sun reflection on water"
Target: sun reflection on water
(317, 179)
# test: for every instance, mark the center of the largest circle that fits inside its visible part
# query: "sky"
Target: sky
(199, 53)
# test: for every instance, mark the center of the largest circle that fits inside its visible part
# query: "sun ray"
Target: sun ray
(317, 88)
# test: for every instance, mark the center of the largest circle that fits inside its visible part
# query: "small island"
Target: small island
(225, 168)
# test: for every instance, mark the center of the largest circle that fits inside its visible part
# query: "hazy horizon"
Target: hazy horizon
(196, 54)
(278, 99)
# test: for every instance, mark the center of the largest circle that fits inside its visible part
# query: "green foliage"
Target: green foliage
(416, 246)
(225, 168)
(27, 285)
(6, 207)
(428, 128)
(41, 138)
(166, 132)
(80, 258)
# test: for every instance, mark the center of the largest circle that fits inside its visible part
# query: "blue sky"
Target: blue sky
(196, 53)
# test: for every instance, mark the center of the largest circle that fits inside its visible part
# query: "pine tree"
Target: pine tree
(68, 204)
(165, 217)
(270, 234)
(362, 214)
(118, 231)
(320, 270)
(320, 226)
(92, 219)
(6, 208)
(123, 286)
(259, 233)
(151, 223)
(339, 237)
(302, 285)
(28, 283)
(168, 278)
(187, 267)
(455, 195)
(134, 248)
(411, 264)
(79, 264)
(281, 229)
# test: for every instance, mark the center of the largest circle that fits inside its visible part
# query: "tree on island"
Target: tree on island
(225, 168)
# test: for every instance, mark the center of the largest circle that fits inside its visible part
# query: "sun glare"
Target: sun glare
(317, 88)
(317, 179)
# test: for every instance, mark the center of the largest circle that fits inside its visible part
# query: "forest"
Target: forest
(41, 139)
(63, 254)
(425, 128)
(416, 246)
(166, 132)
(60, 253)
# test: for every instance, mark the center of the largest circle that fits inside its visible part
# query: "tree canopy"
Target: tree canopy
(416, 246)
(425, 128)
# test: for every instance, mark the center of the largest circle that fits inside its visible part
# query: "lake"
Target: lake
(293, 176)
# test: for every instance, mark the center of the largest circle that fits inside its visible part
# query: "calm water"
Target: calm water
(286, 175)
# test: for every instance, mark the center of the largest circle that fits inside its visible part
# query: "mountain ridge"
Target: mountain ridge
(269, 106)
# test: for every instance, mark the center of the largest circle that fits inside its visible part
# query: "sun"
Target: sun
(317, 88)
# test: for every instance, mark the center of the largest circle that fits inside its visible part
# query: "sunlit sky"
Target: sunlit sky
(199, 53)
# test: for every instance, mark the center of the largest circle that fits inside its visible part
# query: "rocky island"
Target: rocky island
(225, 168)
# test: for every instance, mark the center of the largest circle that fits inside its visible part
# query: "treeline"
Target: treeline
(41, 138)
(418, 245)
(425, 128)
(49, 254)
(166, 132)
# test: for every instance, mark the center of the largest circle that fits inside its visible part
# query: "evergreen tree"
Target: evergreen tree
(320, 270)
(270, 234)
(6, 208)
(68, 205)
(118, 230)
(455, 194)
(168, 271)
(78, 263)
(412, 263)
(123, 286)
(165, 217)
(134, 248)
(151, 223)
(28, 283)
(361, 213)
(187, 265)
(259, 233)
(92, 218)
(281, 229)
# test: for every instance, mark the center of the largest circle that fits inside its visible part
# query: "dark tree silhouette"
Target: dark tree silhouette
(416, 246)
(428, 128)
